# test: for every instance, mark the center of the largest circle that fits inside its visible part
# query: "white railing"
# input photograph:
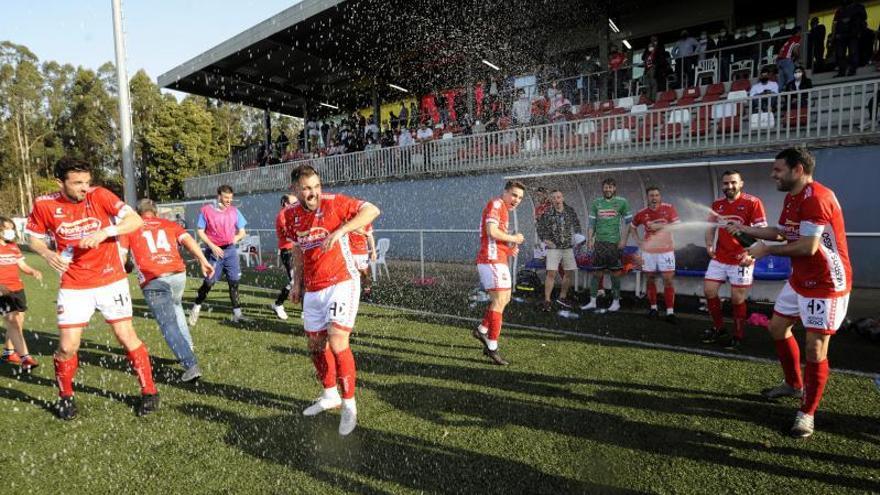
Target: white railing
(827, 113)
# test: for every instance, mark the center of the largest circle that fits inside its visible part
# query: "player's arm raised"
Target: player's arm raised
(193, 247)
(806, 245)
(365, 216)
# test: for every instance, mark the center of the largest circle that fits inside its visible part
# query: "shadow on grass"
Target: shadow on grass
(445, 406)
(312, 446)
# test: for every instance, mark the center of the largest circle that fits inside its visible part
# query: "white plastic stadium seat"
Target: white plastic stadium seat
(679, 116)
(762, 120)
(250, 246)
(627, 102)
(723, 110)
(382, 247)
(620, 136)
(637, 109)
(706, 67)
(586, 127)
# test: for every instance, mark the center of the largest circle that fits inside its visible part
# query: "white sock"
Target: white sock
(331, 393)
(483, 330)
(669, 311)
(236, 311)
(654, 307)
(349, 404)
(592, 300)
(197, 307)
(493, 345)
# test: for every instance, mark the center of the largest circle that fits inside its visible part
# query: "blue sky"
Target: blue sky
(159, 34)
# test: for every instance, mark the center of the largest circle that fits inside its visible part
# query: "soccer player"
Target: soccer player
(285, 252)
(162, 277)
(604, 239)
(657, 249)
(319, 225)
(363, 248)
(220, 227)
(818, 290)
(13, 301)
(496, 245)
(79, 218)
(728, 262)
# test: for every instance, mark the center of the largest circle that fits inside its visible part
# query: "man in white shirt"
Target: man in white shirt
(522, 109)
(764, 86)
(425, 133)
(405, 138)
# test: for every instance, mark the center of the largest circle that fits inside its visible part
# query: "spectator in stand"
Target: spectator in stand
(764, 86)
(332, 132)
(281, 144)
(403, 117)
(413, 115)
(440, 102)
(799, 82)
(684, 51)
(560, 107)
(787, 56)
(405, 138)
(816, 45)
(656, 68)
(325, 130)
(849, 22)
(314, 133)
(705, 44)
(616, 63)
(783, 33)
(759, 51)
(866, 45)
(372, 130)
(725, 57)
(388, 140)
(522, 109)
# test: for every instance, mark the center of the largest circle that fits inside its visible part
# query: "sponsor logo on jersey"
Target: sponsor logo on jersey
(78, 229)
(312, 238)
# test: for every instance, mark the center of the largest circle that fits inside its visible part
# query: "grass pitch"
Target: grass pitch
(570, 415)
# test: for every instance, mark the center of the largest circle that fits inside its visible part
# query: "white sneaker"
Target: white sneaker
(615, 306)
(240, 318)
(322, 404)
(279, 312)
(803, 425)
(191, 373)
(590, 306)
(194, 315)
(348, 420)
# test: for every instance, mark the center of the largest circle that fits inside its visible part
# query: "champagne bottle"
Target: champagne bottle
(744, 240)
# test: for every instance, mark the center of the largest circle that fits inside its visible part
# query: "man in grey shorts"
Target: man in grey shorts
(555, 229)
(605, 240)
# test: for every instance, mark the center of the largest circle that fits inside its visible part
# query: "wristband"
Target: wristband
(111, 231)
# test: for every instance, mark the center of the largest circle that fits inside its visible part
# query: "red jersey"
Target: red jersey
(10, 256)
(744, 210)
(308, 229)
(154, 248)
(69, 223)
(816, 212)
(359, 244)
(280, 231)
(492, 251)
(654, 241)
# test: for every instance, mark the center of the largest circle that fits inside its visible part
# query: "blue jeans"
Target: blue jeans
(164, 297)
(786, 72)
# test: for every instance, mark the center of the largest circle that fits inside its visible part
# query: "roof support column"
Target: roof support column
(603, 55)
(802, 19)
(377, 105)
(267, 124)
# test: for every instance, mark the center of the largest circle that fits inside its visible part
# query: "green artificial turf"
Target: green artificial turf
(570, 415)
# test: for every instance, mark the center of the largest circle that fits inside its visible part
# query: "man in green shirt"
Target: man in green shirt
(606, 238)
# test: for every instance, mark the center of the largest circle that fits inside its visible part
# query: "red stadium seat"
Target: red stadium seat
(606, 106)
(797, 116)
(715, 89)
(728, 125)
(670, 131)
(701, 127)
(668, 96)
(740, 85)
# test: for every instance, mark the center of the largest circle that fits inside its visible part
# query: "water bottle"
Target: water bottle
(67, 255)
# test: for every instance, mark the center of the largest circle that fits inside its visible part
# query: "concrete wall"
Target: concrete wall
(456, 203)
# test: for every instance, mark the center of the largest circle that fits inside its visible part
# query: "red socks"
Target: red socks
(487, 319)
(669, 297)
(652, 292)
(64, 373)
(714, 305)
(739, 320)
(140, 361)
(494, 325)
(345, 372)
(325, 366)
(790, 357)
(815, 377)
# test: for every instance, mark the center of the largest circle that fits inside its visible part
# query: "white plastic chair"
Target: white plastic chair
(747, 66)
(627, 102)
(250, 246)
(382, 247)
(620, 136)
(706, 67)
(762, 120)
(679, 116)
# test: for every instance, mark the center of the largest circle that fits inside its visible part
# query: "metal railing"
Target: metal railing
(824, 113)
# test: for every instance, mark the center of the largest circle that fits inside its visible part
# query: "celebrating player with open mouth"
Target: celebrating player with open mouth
(496, 245)
(818, 290)
(319, 225)
(79, 217)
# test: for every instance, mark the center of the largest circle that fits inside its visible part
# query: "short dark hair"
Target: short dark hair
(798, 155)
(5, 220)
(67, 164)
(302, 172)
(541, 189)
(514, 184)
(225, 188)
(609, 181)
(731, 171)
(285, 200)
(651, 188)
(556, 191)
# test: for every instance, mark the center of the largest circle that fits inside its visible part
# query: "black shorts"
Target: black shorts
(287, 260)
(12, 302)
(606, 256)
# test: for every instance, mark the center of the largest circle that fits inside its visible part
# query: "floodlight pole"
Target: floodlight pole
(124, 106)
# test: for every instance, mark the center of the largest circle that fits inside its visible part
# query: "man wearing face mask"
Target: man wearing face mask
(653, 57)
(725, 57)
(764, 86)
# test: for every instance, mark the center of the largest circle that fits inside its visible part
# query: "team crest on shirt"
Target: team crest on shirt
(312, 238)
(79, 229)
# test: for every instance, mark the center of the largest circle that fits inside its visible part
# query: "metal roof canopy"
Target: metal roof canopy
(627, 168)
(338, 51)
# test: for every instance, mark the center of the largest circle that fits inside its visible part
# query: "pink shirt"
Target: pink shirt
(220, 225)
